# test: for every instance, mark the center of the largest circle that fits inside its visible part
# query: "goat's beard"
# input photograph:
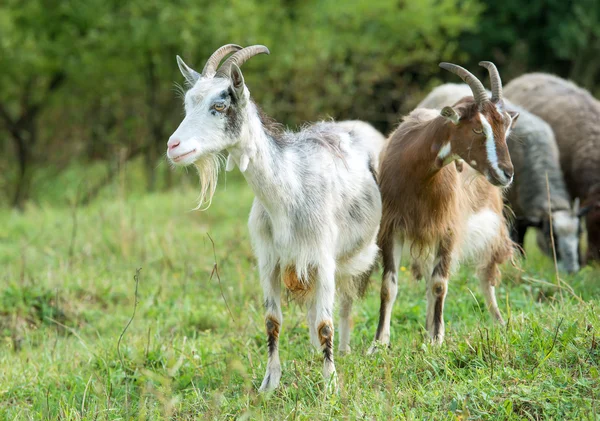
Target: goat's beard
(208, 171)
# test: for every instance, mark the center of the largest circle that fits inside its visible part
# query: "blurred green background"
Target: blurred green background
(86, 86)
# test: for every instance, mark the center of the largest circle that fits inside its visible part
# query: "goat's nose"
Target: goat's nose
(173, 143)
(508, 171)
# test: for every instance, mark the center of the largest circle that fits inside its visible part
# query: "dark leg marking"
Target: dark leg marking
(272, 334)
(325, 330)
(437, 315)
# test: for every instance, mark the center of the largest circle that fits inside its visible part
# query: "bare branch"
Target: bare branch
(215, 270)
(136, 277)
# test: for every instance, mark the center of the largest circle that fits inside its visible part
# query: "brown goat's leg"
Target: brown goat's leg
(437, 287)
(391, 251)
(489, 275)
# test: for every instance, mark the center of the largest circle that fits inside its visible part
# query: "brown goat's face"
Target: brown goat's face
(478, 136)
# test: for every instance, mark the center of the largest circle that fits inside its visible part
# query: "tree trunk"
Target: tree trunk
(24, 159)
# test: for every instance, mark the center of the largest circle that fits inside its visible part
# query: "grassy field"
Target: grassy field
(196, 348)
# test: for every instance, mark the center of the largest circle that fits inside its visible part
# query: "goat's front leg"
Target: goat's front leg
(437, 287)
(391, 252)
(271, 283)
(324, 301)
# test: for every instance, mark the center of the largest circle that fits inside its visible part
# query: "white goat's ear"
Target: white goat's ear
(450, 114)
(244, 161)
(237, 79)
(230, 163)
(190, 75)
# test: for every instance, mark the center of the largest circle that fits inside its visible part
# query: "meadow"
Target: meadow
(83, 338)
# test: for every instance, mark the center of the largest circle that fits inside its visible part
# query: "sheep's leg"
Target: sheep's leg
(391, 251)
(489, 275)
(518, 229)
(271, 284)
(345, 311)
(324, 300)
(437, 287)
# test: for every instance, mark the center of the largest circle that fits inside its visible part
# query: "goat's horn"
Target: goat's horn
(211, 65)
(240, 57)
(495, 80)
(475, 84)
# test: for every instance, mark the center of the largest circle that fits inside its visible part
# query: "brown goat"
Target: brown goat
(446, 215)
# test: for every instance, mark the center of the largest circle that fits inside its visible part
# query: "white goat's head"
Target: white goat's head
(215, 113)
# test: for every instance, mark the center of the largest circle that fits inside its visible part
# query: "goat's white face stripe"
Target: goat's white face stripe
(490, 146)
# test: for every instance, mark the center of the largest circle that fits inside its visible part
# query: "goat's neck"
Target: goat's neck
(267, 172)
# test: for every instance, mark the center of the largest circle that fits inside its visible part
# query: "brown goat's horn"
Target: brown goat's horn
(495, 80)
(240, 57)
(211, 65)
(475, 84)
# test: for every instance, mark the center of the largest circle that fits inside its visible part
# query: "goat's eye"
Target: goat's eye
(219, 106)
(478, 131)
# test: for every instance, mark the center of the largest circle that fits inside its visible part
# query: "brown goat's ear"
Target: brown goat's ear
(451, 114)
(513, 116)
(237, 79)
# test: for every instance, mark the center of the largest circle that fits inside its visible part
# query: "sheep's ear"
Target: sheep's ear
(190, 75)
(450, 114)
(576, 206)
(237, 79)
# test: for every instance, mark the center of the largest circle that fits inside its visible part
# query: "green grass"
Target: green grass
(68, 292)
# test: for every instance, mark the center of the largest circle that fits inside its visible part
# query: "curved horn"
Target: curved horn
(240, 57)
(495, 80)
(475, 84)
(211, 65)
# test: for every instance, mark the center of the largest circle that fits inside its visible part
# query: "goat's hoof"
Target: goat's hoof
(330, 378)
(375, 346)
(344, 351)
(271, 380)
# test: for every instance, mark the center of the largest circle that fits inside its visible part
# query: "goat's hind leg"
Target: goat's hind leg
(271, 283)
(345, 312)
(489, 276)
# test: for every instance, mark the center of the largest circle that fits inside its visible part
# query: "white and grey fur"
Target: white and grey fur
(574, 115)
(534, 154)
(317, 209)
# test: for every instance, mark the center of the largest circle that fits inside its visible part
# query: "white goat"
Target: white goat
(317, 209)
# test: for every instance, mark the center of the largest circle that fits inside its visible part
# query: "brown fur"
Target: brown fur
(428, 203)
(298, 287)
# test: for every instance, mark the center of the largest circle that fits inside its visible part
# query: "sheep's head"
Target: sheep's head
(566, 231)
(214, 113)
(479, 128)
